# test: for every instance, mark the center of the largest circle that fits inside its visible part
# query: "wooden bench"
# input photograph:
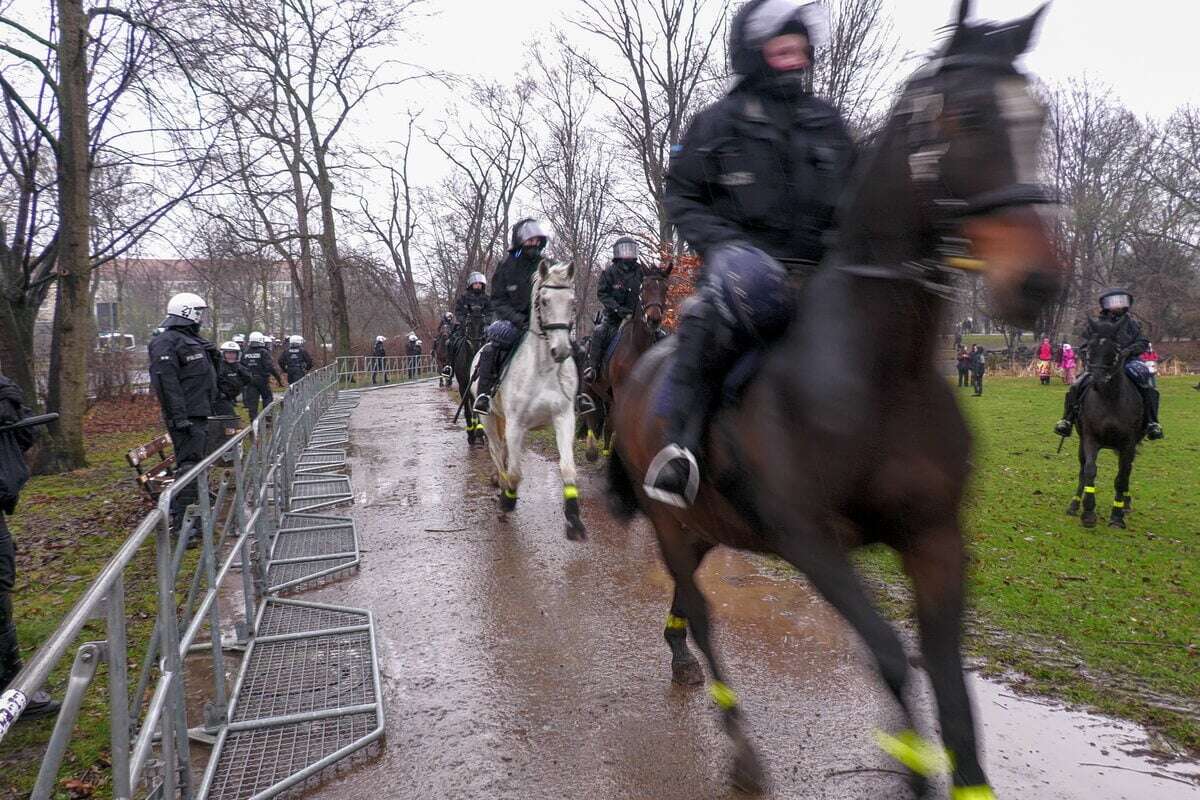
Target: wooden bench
(156, 476)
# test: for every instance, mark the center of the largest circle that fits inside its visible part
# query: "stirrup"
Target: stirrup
(589, 374)
(482, 405)
(687, 493)
(584, 404)
(1154, 431)
(447, 371)
(1063, 427)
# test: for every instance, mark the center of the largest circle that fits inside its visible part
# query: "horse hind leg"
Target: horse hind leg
(685, 669)
(1121, 489)
(682, 559)
(936, 566)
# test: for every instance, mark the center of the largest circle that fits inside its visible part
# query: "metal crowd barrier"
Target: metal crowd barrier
(243, 492)
(364, 371)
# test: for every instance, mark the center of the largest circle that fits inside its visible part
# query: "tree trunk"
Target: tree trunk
(73, 335)
(17, 324)
(305, 288)
(333, 264)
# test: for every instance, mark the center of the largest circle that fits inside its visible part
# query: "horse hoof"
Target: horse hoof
(507, 503)
(687, 673)
(575, 531)
(592, 456)
(748, 774)
(1116, 523)
(1088, 520)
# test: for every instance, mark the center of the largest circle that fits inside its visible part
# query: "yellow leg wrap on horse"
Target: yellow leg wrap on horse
(722, 695)
(1089, 489)
(510, 494)
(1118, 503)
(606, 453)
(570, 492)
(918, 754)
(675, 623)
(972, 793)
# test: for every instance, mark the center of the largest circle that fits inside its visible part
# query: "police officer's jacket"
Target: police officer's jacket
(258, 362)
(296, 362)
(412, 349)
(231, 379)
(620, 287)
(511, 286)
(378, 350)
(754, 168)
(183, 373)
(472, 303)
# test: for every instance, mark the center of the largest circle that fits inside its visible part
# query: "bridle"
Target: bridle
(546, 327)
(926, 146)
(658, 277)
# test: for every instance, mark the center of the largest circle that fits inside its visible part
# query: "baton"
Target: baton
(29, 422)
(1061, 439)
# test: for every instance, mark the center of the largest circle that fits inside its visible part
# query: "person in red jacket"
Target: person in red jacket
(1045, 355)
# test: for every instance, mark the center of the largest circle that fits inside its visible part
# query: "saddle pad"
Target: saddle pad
(738, 378)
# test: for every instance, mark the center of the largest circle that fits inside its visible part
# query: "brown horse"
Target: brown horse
(815, 460)
(636, 335)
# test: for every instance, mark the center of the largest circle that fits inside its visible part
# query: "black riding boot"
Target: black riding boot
(488, 357)
(674, 474)
(596, 349)
(1150, 403)
(1071, 406)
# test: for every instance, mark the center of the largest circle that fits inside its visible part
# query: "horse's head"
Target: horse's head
(1104, 353)
(654, 293)
(554, 306)
(965, 137)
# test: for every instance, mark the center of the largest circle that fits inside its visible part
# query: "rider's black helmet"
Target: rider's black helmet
(625, 249)
(760, 20)
(1115, 299)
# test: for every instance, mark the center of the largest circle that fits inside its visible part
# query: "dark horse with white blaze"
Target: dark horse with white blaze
(816, 460)
(462, 353)
(636, 335)
(1111, 417)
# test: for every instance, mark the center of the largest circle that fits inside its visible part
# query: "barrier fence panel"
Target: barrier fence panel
(363, 372)
(243, 491)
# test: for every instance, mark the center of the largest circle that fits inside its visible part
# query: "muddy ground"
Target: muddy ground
(517, 664)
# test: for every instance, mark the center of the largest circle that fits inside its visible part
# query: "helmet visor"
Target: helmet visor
(532, 230)
(1112, 302)
(477, 277)
(769, 19)
(627, 250)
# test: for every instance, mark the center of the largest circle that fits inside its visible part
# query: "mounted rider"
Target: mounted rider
(1114, 311)
(619, 291)
(474, 301)
(445, 326)
(511, 286)
(752, 188)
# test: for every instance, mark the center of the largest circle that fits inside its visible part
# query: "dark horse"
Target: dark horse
(462, 352)
(1111, 417)
(815, 460)
(637, 334)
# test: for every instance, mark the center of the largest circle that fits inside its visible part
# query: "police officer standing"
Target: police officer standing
(257, 360)
(511, 286)
(183, 373)
(379, 359)
(13, 474)
(232, 379)
(619, 291)
(752, 186)
(295, 361)
(413, 351)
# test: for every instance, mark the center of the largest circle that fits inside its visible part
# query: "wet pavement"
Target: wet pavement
(517, 664)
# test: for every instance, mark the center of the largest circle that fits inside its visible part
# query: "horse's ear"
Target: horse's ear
(542, 270)
(964, 11)
(1022, 33)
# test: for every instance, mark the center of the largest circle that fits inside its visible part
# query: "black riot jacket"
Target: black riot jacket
(511, 286)
(231, 379)
(296, 362)
(258, 362)
(620, 287)
(1128, 335)
(183, 373)
(472, 303)
(760, 170)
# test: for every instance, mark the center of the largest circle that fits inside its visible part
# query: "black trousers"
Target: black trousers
(190, 449)
(258, 393)
(10, 653)
(964, 377)
(977, 382)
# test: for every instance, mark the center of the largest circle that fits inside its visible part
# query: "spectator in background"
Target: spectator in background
(964, 367)
(13, 474)
(1045, 358)
(1151, 358)
(1068, 363)
(978, 367)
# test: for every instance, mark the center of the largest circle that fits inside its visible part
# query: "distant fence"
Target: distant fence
(365, 370)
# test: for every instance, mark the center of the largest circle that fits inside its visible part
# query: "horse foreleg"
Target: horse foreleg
(1077, 499)
(682, 559)
(512, 437)
(935, 566)
(685, 669)
(496, 448)
(1121, 488)
(1089, 452)
(564, 435)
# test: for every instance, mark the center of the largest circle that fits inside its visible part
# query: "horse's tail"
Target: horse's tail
(622, 497)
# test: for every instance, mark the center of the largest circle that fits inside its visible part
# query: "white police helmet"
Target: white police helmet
(231, 347)
(188, 306)
(381, 338)
(476, 277)
(239, 338)
(256, 337)
(296, 339)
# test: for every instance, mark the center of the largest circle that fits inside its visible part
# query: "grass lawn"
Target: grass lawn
(66, 527)
(1108, 618)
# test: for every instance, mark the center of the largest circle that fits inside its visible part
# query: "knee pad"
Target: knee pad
(753, 291)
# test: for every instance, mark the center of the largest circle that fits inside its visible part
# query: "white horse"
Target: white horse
(538, 388)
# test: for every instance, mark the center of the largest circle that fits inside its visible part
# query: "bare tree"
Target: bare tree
(856, 68)
(668, 51)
